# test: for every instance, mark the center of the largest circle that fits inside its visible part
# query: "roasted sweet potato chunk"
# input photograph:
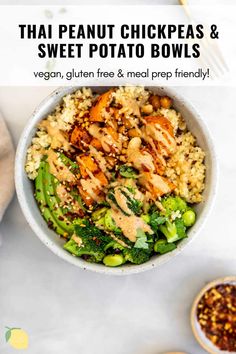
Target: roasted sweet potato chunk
(102, 178)
(87, 162)
(127, 122)
(157, 185)
(112, 132)
(115, 113)
(158, 162)
(162, 121)
(96, 143)
(80, 138)
(102, 102)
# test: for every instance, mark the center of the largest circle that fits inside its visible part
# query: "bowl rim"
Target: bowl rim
(128, 269)
(193, 319)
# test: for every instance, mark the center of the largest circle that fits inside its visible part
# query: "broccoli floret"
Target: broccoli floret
(114, 246)
(156, 220)
(173, 204)
(136, 255)
(181, 228)
(173, 231)
(92, 242)
(142, 249)
(99, 213)
(98, 217)
(161, 246)
(109, 223)
(181, 204)
(123, 239)
(170, 231)
(103, 220)
(169, 203)
(91, 254)
(128, 171)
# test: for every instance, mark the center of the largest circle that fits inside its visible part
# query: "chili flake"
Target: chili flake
(216, 314)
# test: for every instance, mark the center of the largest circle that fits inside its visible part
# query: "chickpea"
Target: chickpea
(147, 109)
(166, 102)
(135, 143)
(155, 101)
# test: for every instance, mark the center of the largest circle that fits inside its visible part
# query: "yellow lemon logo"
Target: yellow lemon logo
(17, 338)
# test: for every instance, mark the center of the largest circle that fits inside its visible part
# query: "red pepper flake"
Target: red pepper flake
(216, 314)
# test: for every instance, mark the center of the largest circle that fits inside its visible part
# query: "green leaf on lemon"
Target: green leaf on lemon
(8, 335)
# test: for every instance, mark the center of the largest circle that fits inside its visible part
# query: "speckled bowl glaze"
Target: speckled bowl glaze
(24, 186)
(196, 328)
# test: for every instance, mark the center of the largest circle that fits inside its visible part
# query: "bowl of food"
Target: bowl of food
(115, 180)
(213, 316)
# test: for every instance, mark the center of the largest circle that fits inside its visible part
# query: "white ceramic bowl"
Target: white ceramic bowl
(24, 186)
(197, 331)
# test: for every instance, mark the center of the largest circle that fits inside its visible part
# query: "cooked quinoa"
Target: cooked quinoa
(185, 168)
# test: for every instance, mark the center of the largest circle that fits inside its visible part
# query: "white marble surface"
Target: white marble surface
(113, 2)
(68, 310)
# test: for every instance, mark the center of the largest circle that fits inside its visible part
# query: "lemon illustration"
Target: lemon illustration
(17, 338)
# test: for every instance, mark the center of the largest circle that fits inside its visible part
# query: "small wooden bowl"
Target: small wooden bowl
(200, 336)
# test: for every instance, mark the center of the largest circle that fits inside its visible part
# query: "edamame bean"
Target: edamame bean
(189, 218)
(113, 260)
